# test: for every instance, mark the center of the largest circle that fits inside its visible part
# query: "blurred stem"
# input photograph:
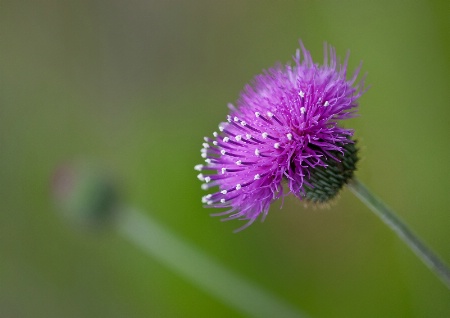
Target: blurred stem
(398, 226)
(202, 271)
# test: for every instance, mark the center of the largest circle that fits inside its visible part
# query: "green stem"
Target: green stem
(398, 226)
(195, 266)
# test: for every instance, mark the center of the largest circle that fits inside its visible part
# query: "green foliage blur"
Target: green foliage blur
(135, 85)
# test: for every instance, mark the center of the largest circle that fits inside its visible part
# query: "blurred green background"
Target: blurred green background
(135, 85)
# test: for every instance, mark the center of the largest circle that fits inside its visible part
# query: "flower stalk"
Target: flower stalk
(197, 267)
(401, 229)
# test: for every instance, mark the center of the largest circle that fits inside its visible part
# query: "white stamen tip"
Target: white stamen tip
(238, 186)
(204, 186)
(257, 152)
(302, 94)
(248, 136)
(207, 179)
(264, 135)
(208, 196)
(215, 143)
(289, 136)
(238, 137)
(208, 160)
(221, 128)
(205, 145)
(276, 145)
(326, 104)
(269, 114)
(222, 200)
(257, 176)
(200, 177)
(243, 123)
(204, 200)
(198, 167)
(236, 119)
(223, 170)
(215, 134)
(229, 118)
(225, 139)
(204, 155)
(223, 152)
(209, 202)
(239, 162)
(302, 110)
(224, 191)
(257, 114)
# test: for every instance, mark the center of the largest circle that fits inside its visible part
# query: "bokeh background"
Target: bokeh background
(135, 85)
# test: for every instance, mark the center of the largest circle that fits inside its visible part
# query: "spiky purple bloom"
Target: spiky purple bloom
(284, 126)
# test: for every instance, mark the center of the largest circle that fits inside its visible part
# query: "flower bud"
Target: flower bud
(85, 195)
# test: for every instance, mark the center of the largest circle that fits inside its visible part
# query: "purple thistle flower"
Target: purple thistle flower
(284, 127)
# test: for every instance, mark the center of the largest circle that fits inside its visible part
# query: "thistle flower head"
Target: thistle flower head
(285, 126)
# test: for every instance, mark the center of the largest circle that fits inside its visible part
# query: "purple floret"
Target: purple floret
(284, 125)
